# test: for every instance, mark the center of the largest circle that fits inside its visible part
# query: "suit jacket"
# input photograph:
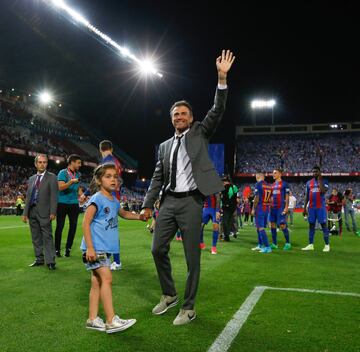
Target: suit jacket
(47, 197)
(196, 143)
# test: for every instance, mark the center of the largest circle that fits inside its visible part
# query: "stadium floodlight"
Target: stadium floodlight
(262, 104)
(77, 17)
(147, 66)
(45, 98)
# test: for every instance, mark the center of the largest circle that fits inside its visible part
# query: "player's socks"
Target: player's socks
(326, 233)
(215, 238)
(286, 234)
(264, 238)
(311, 233)
(116, 258)
(201, 235)
(274, 236)
(259, 238)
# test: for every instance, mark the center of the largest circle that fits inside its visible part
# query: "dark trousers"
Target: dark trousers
(72, 210)
(41, 235)
(18, 210)
(185, 214)
(227, 221)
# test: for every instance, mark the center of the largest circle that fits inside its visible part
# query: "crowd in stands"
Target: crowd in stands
(18, 113)
(33, 135)
(338, 152)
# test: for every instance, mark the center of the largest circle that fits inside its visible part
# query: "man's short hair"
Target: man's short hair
(38, 156)
(181, 103)
(72, 157)
(316, 167)
(260, 173)
(105, 145)
(279, 169)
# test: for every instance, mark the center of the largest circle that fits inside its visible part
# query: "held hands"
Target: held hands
(305, 212)
(52, 217)
(74, 180)
(223, 64)
(285, 211)
(142, 217)
(24, 219)
(147, 212)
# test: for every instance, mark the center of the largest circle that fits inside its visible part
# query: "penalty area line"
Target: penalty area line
(232, 328)
(12, 227)
(224, 340)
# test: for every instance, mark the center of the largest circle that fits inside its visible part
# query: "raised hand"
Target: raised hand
(224, 63)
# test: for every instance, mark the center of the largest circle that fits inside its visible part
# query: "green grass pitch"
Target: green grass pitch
(42, 310)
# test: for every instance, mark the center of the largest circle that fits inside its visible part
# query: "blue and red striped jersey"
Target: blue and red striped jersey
(264, 191)
(112, 160)
(316, 198)
(210, 201)
(280, 190)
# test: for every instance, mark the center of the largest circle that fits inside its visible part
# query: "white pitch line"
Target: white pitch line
(12, 227)
(232, 328)
(339, 293)
(224, 340)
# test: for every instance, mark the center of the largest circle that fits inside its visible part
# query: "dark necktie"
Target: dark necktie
(35, 191)
(174, 164)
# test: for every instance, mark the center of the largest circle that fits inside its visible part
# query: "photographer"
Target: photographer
(228, 205)
(349, 211)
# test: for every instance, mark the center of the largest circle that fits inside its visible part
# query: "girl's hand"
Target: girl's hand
(90, 255)
(142, 217)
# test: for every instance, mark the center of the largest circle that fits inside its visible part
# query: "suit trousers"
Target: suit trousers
(42, 239)
(185, 214)
(72, 210)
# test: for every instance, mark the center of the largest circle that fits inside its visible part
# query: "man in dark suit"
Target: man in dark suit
(40, 210)
(184, 175)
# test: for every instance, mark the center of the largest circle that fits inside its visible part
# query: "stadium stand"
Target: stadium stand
(296, 149)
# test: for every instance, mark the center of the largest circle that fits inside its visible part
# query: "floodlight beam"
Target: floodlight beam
(60, 4)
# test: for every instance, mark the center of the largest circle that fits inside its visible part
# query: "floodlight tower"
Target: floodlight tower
(262, 104)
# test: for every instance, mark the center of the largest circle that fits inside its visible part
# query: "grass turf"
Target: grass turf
(46, 311)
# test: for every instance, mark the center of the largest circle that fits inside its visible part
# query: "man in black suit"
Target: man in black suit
(40, 211)
(185, 174)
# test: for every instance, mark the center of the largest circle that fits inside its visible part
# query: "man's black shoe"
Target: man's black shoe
(58, 254)
(227, 239)
(35, 263)
(51, 266)
(67, 252)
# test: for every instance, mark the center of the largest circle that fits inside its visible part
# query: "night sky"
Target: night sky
(303, 54)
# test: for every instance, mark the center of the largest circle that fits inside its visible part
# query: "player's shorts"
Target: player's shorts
(318, 214)
(207, 214)
(103, 259)
(277, 217)
(261, 218)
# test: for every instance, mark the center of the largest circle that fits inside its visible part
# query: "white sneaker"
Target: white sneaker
(257, 248)
(309, 247)
(115, 266)
(96, 324)
(185, 316)
(118, 324)
(333, 228)
(326, 248)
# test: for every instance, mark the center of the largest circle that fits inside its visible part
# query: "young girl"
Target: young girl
(100, 227)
